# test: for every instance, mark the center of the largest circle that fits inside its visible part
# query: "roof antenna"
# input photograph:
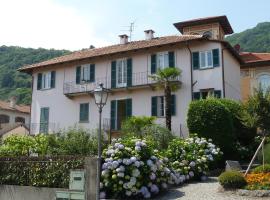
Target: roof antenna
(130, 29)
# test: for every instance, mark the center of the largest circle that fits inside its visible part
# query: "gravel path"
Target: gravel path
(208, 190)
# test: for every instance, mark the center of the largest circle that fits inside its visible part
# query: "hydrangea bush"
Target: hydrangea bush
(192, 156)
(132, 168)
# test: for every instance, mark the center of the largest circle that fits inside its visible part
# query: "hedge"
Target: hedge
(209, 118)
(38, 171)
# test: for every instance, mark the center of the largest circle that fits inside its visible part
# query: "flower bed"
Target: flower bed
(258, 181)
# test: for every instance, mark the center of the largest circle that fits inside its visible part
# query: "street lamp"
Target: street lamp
(101, 96)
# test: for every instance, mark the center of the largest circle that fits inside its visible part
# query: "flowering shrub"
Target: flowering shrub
(259, 181)
(132, 168)
(192, 156)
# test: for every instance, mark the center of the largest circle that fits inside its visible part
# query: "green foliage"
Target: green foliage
(209, 118)
(14, 83)
(136, 124)
(39, 172)
(258, 110)
(256, 39)
(232, 180)
(262, 169)
(192, 156)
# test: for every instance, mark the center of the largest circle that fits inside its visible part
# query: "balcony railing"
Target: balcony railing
(139, 79)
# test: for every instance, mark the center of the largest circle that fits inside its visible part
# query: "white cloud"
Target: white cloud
(44, 23)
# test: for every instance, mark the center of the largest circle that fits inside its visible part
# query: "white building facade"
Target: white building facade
(62, 94)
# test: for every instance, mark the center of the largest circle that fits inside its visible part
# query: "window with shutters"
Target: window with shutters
(121, 73)
(162, 60)
(158, 106)
(84, 112)
(46, 80)
(206, 59)
(87, 73)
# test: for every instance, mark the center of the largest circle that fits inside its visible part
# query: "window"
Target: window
(44, 120)
(162, 60)
(46, 80)
(20, 120)
(4, 119)
(206, 59)
(264, 81)
(204, 93)
(158, 106)
(84, 112)
(121, 73)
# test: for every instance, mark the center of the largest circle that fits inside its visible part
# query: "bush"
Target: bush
(192, 156)
(232, 180)
(262, 169)
(209, 118)
(132, 168)
(136, 124)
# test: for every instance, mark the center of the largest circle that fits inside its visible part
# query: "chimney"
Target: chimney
(12, 102)
(149, 34)
(123, 39)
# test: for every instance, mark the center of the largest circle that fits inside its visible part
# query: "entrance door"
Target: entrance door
(44, 120)
(120, 110)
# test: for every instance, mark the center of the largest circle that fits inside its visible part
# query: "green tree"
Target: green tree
(165, 79)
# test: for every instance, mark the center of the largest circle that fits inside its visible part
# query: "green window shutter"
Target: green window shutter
(44, 120)
(113, 114)
(113, 74)
(128, 108)
(215, 53)
(153, 63)
(92, 72)
(78, 75)
(217, 93)
(154, 106)
(195, 60)
(129, 72)
(53, 79)
(84, 112)
(196, 95)
(173, 103)
(171, 59)
(39, 81)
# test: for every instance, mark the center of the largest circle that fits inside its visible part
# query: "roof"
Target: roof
(124, 48)
(255, 59)
(222, 20)
(113, 49)
(18, 108)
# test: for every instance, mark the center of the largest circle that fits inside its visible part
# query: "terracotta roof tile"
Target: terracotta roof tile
(134, 45)
(249, 57)
(19, 108)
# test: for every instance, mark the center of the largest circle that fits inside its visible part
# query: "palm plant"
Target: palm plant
(166, 79)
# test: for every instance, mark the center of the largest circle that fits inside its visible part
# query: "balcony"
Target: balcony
(139, 80)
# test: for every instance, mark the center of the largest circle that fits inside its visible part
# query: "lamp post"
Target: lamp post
(101, 96)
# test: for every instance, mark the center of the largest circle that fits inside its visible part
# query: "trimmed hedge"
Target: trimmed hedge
(232, 180)
(38, 171)
(209, 118)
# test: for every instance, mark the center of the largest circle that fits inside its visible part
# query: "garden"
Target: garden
(148, 159)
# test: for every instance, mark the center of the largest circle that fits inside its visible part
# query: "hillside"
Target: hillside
(14, 83)
(256, 39)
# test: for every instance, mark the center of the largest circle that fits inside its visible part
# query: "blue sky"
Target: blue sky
(76, 24)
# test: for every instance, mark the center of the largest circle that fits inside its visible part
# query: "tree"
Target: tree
(166, 80)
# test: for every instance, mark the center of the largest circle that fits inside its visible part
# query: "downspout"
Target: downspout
(223, 74)
(191, 70)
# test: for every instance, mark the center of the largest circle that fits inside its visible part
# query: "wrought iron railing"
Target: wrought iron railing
(138, 79)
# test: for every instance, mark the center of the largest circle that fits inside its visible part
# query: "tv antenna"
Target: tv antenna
(130, 29)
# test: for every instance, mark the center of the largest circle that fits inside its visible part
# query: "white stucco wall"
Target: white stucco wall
(231, 76)
(64, 112)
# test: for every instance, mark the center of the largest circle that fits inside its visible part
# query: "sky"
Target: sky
(77, 24)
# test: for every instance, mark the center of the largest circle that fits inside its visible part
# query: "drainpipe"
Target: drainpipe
(191, 70)
(223, 74)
